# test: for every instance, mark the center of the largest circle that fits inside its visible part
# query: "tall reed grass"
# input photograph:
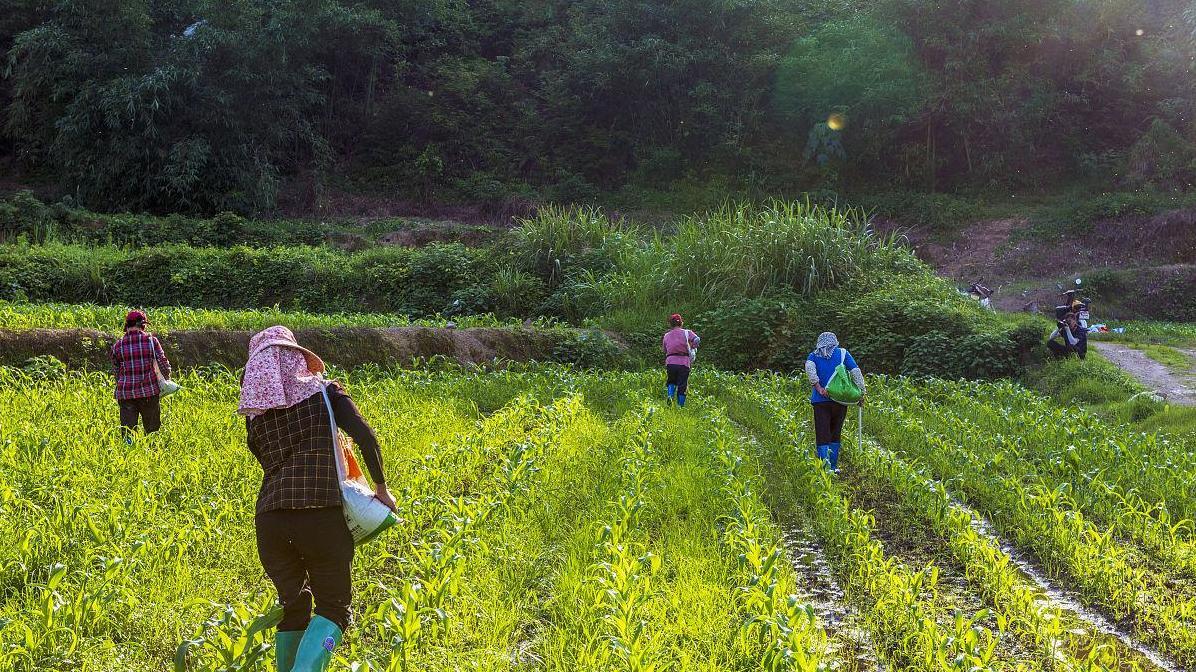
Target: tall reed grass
(746, 250)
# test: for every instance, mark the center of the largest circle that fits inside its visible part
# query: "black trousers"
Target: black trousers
(828, 421)
(677, 374)
(307, 553)
(1061, 350)
(149, 409)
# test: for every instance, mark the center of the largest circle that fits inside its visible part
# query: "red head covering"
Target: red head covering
(135, 318)
(675, 318)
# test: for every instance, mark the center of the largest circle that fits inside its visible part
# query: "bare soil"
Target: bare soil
(347, 348)
(1000, 249)
(1026, 270)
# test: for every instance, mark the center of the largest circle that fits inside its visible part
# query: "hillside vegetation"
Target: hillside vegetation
(760, 280)
(197, 107)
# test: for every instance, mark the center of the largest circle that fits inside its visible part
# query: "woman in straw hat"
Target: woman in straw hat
(303, 541)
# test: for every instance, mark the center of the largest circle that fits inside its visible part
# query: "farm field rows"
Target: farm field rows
(557, 520)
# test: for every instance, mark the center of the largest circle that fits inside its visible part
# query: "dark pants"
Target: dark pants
(1061, 350)
(677, 374)
(828, 422)
(149, 409)
(308, 553)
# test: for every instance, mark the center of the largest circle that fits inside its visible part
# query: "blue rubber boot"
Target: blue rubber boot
(824, 454)
(681, 400)
(834, 455)
(670, 391)
(286, 644)
(317, 645)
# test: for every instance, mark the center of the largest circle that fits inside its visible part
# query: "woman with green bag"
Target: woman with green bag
(837, 382)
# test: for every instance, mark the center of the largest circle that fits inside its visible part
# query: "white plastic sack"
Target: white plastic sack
(364, 514)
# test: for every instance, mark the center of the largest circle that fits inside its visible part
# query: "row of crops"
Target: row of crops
(566, 521)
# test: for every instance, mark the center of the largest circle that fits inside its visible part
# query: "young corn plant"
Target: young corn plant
(1047, 521)
(903, 625)
(620, 581)
(419, 609)
(782, 624)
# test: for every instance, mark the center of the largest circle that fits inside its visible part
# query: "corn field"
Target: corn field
(556, 520)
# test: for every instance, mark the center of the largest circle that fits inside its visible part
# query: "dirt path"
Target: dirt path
(1178, 387)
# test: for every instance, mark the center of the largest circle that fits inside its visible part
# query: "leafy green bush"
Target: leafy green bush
(904, 326)
(757, 333)
(22, 214)
(45, 367)
(418, 282)
(587, 349)
(970, 356)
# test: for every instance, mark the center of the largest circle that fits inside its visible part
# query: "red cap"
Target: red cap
(134, 316)
(675, 317)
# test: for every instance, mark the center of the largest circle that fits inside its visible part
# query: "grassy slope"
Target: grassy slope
(1098, 385)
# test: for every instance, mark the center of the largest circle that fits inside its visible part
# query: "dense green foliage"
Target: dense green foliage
(761, 281)
(200, 107)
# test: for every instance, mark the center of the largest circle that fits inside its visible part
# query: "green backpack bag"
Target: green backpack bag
(841, 387)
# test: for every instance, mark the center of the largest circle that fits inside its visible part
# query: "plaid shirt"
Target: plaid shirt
(133, 363)
(294, 447)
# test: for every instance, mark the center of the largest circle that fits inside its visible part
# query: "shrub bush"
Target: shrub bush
(22, 214)
(45, 367)
(905, 326)
(417, 282)
(754, 333)
(588, 349)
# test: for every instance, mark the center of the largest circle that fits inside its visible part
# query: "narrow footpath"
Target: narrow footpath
(1178, 387)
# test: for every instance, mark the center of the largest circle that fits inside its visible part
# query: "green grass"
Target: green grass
(1181, 334)
(554, 520)
(21, 316)
(1177, 361)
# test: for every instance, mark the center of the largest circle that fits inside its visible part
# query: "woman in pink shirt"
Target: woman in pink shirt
(680, 349)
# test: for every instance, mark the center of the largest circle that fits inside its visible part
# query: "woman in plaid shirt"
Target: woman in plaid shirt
(303, 541)
(137, 391)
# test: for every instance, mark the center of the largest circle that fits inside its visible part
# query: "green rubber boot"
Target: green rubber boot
(317, 645)
(286, 644)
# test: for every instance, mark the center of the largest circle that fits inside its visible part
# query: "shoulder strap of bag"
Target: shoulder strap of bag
(155, 345)
(336, 441)
(842, 356)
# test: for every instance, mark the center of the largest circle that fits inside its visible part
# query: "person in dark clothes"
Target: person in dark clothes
(137, 359)
(1074, 337)
(828, 413)
(680, 347)
(303, 540)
